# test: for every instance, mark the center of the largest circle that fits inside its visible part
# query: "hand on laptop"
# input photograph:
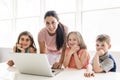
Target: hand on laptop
(10, 63)
(57, 65)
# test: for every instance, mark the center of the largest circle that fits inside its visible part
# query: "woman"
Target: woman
(52, 37)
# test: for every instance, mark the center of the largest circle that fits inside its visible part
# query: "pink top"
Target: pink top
(72, 61)
(50, 41)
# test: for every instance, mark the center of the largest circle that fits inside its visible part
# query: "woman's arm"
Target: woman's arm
(58, 65)
(42, 46)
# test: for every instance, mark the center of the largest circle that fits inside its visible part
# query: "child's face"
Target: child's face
(72, 40)
(24, 41)
(102, 46)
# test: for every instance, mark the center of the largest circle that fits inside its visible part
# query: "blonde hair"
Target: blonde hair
(80, 39)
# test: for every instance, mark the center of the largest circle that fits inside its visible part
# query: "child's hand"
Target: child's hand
(75, 48)
(89, 74)
(10, 63)
(100, 52)
(19, 46)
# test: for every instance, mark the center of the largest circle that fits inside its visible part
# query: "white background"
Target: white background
(89, 17)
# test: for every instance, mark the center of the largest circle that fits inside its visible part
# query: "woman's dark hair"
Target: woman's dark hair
(30, 36)
(60, 32)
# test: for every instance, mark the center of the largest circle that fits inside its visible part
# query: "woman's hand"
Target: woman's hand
(57, 65)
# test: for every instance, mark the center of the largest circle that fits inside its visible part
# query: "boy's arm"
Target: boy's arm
(96, 64)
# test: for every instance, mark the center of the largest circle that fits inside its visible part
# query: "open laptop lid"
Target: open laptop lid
(32, 63)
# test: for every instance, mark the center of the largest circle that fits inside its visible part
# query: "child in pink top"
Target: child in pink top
(76, 55)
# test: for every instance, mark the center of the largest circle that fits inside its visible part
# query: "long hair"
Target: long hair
(60, 31)
(30, 36)
(80, 39)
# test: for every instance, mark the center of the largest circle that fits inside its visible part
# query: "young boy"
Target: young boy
(102, 60)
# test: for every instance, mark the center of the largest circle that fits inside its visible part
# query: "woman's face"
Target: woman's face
(51, 24)
(24, 41)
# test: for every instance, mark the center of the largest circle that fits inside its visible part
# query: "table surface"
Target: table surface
(10, 73)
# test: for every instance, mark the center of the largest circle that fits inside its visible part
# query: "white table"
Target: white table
(10, 73)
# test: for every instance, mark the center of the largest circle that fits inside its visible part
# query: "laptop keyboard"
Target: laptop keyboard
(56, 71)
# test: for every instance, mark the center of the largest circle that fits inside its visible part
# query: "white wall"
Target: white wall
(90, 17)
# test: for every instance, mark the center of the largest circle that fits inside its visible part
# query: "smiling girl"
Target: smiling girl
(25, 44)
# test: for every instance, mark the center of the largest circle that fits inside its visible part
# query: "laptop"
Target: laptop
(36, 64)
